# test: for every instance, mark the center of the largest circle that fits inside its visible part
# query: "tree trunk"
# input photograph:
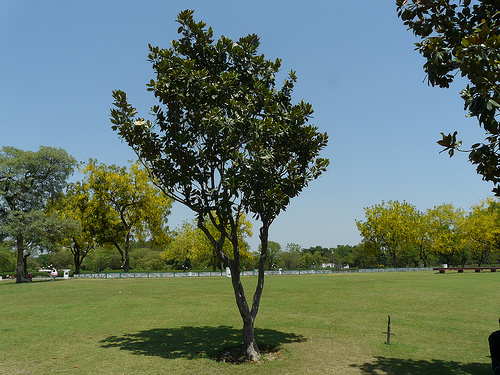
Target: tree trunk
(394, 259)
(76, 257)
(126, 264)
(214, 261)
(20, 259)
(78, 262)
(121, 253)
(249, 344)
(423, 256)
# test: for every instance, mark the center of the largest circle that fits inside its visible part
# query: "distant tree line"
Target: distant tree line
(44, 220)
(114, 218)
(397, 234)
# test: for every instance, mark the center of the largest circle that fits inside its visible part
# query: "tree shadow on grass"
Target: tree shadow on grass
(397, 366)
(195, 342)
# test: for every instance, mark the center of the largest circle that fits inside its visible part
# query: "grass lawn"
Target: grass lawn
(322, 324)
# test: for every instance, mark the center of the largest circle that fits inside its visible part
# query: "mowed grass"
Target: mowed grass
(322, 324)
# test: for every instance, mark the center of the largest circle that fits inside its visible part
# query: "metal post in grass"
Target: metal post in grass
(389, 334)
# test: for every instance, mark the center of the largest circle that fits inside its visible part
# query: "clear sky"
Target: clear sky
(355, 62)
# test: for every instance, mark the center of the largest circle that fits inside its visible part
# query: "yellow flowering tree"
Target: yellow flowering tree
(126, 205)
(481, 230)
(422, 237)
(444, 227)
(389, 229)
(79, 207)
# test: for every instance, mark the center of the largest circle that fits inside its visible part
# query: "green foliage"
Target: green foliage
(290, 257)
(296, 257)
(463, 37)
(28, 180)
(224, 140)
(190, 246)
(28, 226)
(482, 230)
(274, 250)
(102, 259)
(116, 206)
(144, 258)
(364, 258)
(78, 208)
(343, 255)
(389, 228)
(61, 259)
(7, 259)
(402, 237)
(445, 231)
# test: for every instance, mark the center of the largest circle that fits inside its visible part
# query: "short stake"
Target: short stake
(389, 334)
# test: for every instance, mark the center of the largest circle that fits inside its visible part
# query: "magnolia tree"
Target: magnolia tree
(224, 141)
(463, 37)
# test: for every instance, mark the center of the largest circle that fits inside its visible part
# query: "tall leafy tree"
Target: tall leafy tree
(273, 254)
(126, 205)
(28, 180)
(481, 230)
(463, 37)
(343, 255)
(290, 258)
(422, 236)
(444, 227)
(389, 228)
(78, 206)
(224, 141)
(7, 258)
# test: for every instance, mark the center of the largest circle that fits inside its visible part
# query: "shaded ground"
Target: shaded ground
(221, 343)
(397, 366)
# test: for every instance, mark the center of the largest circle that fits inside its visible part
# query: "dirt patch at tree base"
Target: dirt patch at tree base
(235, 355)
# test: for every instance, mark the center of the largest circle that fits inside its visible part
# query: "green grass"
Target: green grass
(323, 324)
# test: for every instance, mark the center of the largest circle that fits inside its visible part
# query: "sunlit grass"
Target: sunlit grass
(321, 323)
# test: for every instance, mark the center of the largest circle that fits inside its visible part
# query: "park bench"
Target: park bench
(462, 269)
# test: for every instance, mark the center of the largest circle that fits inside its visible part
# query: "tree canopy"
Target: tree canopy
(389, 227)
(28, 180)
(463, 37)
(224, 140)
(441, 234)
(124, 204)
(78, 207)
(482, 230)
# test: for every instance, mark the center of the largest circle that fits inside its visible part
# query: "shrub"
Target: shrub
(7, 261)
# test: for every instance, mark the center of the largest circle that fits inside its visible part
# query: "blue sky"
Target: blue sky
(355, 62)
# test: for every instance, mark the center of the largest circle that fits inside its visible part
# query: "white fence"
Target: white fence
(122, 275)
(396, 269)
